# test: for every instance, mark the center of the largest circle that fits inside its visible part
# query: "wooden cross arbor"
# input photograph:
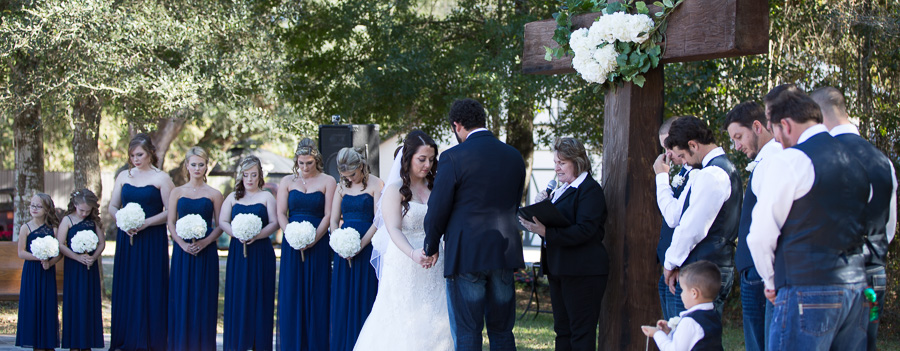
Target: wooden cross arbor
(697, 30)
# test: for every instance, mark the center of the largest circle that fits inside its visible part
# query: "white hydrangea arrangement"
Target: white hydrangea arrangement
(45, 248)
(129, 218)
(345, 242)
(300, 235)
(621, 45)
(191, 227)
(245, 226)
(84, 241)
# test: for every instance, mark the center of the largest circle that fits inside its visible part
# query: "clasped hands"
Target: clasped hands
(660, 325)
(422, 259)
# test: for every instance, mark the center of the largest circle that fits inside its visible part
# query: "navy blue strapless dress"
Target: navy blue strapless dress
(82, 311)
(303, 287)
(353, 289)
(250, 289)
(194, 287)
(38, 326)
(141, 279)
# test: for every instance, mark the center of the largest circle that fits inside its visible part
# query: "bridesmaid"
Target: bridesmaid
(194, 282)
(353, 289)
(303, 286)
(249, 281)
(141, 267)
(38, 326)
(82, 312)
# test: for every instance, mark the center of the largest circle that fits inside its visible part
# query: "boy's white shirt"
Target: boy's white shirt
(685, 335)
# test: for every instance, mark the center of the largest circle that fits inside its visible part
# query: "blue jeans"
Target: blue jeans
(482, 298)
(753, 304)
(671, 303)
(877, 280)
(819, 317)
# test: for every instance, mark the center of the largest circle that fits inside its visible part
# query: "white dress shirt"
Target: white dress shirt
(771, 148)
(574, 185)
(669, 205)
(789, 176)
(892, 219)
(708, 188)
(685, 335)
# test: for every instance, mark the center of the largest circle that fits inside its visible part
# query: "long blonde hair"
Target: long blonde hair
(351, 159)
(307, 147)
(194, 151)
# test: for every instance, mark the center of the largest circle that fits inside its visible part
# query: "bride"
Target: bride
(410, 311)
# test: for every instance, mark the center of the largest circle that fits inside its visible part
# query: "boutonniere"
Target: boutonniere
(751, 166)
(673, 322)
(677, 180)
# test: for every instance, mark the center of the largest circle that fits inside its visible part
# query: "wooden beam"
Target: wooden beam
(698, 30)
(630, 145)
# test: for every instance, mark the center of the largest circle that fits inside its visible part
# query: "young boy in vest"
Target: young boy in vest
(700, 327)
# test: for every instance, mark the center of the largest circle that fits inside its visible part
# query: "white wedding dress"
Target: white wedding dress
(410, 311)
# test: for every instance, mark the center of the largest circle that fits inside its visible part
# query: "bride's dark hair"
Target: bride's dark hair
(411, 144)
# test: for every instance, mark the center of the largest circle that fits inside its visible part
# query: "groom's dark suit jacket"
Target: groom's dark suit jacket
(473, 204)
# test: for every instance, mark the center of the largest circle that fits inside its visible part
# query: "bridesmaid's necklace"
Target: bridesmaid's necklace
(302, 179)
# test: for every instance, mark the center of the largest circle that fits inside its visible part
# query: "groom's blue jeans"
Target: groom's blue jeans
(482, 298)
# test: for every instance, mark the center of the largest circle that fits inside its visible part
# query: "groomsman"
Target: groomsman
(806, 237)
(668, 197)
(746, 126)
(881, 212)
(712, 207)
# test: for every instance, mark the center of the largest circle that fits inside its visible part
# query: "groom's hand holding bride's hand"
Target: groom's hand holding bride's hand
(419, 257)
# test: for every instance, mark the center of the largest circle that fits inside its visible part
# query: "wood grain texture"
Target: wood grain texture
(11, 272)
(630, 145)
(698, 30)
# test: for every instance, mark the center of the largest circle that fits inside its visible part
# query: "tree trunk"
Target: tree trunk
(520, 133)
(167, 129)
(28, 137)
(632, 117)
(86, 118)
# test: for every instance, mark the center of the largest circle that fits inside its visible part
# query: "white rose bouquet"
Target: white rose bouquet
(129, 218)
(191, 227)
(45, 248)
(299, 235)
(673, 322)
(245, 226)
(345, 242)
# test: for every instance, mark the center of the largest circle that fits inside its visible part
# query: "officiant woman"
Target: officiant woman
(573, 257)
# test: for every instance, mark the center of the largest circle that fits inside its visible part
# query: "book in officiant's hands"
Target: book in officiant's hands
(545, 212)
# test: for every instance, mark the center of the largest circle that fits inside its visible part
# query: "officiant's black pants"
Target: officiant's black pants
(576, 310)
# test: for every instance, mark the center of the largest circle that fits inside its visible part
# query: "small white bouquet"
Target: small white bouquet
(345, 242)
(673, 322)
(129, 218)
(85, 241)
(191, 227)
(245, 226)
(45, 248)
(299, 235)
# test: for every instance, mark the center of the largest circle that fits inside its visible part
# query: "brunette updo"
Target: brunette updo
(307, 147)
(351, 159)
(143, 141)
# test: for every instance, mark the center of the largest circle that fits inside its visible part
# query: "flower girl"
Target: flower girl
(82, 241)
(38, 326)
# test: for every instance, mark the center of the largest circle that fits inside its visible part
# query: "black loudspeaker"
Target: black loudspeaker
(333, 138)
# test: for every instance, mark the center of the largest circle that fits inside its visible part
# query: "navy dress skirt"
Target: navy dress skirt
(38, 326)
(194, 287)
(353, 289)
(82, 311)
(141, 279)
(250, 289)
(304, 286)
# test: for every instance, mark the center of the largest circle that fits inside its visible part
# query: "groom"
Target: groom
(473, 204)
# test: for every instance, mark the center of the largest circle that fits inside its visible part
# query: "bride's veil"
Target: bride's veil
(381, 239)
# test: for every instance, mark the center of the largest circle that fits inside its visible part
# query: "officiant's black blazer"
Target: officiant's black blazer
(473, 205)
(578, 249)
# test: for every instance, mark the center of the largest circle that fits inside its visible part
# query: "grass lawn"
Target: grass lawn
(531, 333)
